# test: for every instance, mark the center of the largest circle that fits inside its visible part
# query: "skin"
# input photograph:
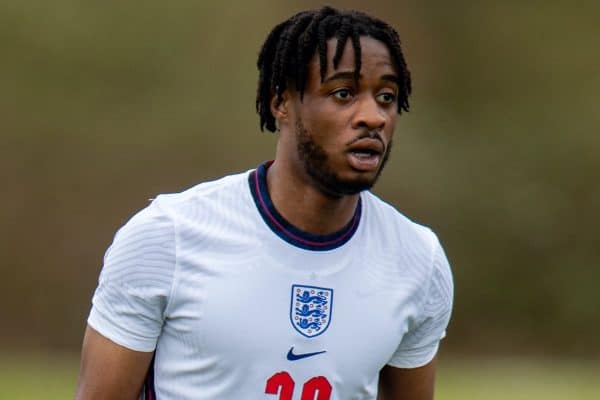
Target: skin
(407, 384)
(334, 114)
(331, 117)
(110, 371)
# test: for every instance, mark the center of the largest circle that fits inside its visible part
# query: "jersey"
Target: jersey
(237, 303)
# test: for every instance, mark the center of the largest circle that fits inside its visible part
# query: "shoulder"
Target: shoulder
(203, 215)
(217, 192)
(415, 248)
(160, 220)
(139, 279)
(395, 228)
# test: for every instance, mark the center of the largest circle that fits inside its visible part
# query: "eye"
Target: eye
(342, 94)
(386, 98)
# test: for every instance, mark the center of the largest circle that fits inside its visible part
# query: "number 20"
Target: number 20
(282, 383)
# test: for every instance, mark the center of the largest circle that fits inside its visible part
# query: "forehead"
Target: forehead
(374, 53)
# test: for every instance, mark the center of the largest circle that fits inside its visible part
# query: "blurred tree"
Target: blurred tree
(104, 105)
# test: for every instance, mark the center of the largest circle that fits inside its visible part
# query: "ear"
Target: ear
(280, 107)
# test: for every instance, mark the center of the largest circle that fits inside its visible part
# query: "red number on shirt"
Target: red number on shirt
(281, 380)
(282, 383)
(318, 384)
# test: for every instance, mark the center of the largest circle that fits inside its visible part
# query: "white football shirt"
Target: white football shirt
(237, 303)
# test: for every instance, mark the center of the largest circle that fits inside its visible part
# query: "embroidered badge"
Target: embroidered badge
(310, 309)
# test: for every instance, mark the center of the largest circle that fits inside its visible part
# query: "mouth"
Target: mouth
(365, 154)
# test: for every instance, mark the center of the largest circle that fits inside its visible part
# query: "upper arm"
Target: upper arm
(410, 373)
(134, 288)
(109, 370)
(420, 343)
(407, 383)
(129, 307)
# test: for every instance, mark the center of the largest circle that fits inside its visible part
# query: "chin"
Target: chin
(337, 186)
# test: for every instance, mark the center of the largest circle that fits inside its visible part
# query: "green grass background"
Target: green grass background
(53, 377)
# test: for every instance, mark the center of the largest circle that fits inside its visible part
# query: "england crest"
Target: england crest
(310, 309)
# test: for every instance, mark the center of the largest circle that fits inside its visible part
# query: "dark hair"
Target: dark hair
(289, 47)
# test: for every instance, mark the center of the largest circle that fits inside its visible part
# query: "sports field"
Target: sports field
(53, 377)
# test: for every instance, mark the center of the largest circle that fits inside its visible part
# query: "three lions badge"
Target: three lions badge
(310, 309)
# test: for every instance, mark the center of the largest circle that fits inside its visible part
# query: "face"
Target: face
(341, 131)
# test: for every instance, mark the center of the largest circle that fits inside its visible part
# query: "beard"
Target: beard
(317, 166)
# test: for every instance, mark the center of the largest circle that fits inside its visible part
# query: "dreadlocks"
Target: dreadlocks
(285, 55)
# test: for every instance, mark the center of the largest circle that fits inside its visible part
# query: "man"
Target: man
(291, 281)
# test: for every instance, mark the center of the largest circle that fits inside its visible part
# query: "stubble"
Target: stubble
(317, 166)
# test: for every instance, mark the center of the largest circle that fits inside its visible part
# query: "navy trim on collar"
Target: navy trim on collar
(288, 232)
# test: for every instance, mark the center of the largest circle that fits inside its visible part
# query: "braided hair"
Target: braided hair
(289, 47)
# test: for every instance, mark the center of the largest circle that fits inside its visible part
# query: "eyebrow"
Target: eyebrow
(344, 75)
(349, 75)
(392, 78)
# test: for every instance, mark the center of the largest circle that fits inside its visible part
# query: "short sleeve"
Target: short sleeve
(135, 282)
(420, 344)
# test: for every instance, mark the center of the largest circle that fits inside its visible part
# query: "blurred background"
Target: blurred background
(103, 105)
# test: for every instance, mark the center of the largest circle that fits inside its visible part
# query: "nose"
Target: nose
(368, 114)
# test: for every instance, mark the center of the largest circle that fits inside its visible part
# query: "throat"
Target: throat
(304, 218)
(308, 208)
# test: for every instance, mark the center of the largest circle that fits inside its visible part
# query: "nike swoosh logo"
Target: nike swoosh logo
(293, 357)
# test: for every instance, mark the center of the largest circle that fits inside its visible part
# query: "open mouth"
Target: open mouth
(364, 160)
(365, 153)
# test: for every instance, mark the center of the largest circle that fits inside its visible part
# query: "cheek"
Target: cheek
(325, 126)
(390, 126)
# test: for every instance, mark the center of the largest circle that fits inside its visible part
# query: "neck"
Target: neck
(303, 205)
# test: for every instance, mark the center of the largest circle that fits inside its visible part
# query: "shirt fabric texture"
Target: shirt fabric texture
(213, 279)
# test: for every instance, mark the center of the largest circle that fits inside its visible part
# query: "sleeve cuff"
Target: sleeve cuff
(120, 336)
(415, 358)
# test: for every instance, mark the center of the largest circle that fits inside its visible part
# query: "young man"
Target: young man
(291, 281)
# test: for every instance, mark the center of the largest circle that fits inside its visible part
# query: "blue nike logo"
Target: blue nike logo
(293, 357)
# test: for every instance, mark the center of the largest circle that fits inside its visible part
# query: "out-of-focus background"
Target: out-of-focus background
(105, 104)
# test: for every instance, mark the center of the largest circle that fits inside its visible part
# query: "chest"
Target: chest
(268, 316)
